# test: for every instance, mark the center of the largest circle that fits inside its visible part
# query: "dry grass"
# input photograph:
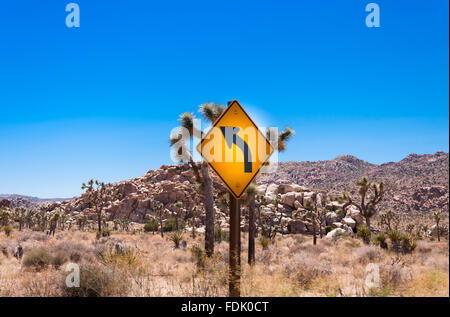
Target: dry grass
(150, 266)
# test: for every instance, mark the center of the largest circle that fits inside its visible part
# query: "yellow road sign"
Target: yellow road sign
(235, 149)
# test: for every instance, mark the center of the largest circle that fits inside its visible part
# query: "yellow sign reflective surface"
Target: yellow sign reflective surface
(235, 149)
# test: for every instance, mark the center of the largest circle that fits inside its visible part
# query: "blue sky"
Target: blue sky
(99, 101)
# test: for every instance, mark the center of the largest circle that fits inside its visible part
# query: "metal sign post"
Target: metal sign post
(235, 248)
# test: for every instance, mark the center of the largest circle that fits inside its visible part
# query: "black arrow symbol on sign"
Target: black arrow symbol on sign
(231, 138)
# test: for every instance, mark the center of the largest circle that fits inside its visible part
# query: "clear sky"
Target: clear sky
(99, 101)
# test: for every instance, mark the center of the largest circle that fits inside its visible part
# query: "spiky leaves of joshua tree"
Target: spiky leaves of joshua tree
(98, 194)
(371, 195)
(390, 220)
(437, 219)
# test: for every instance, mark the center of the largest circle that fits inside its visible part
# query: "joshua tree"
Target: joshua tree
(159, 208)
(20, 215)
(390, 220)
(194, 213)
(211, 112)
(5, 216)
(54, 221)
(98, 194)
(437, 218)
(371, 195)
(178, 205)
(311, 215)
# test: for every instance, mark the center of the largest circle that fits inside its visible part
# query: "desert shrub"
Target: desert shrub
(198, 255)
(364, 233)
(176, 238)
(152, 225)
(170, 224)
(264, 242)
(395, 238)
(408, 243)
(37, 258)
(218, 233)
(304, 270)
(395, 274)
(368, 254)
(98, 281)
(128, 258)
(380, 240)
(59, 259)
(7, 230)
(423, 247)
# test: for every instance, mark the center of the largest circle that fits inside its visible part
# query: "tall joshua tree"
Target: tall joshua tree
(159, 208)
(211, 112)
(371, 195)
(437, 218)
(98, 194)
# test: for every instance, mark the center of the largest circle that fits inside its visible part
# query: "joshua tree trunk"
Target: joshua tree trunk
(209, 209)
(251, 232)
(438, 231)
(99, 220)
(368, 222)
(314, 234)
(193, 227)
(161, 225)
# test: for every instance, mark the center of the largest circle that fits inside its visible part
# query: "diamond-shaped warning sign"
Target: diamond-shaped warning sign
(235, 149)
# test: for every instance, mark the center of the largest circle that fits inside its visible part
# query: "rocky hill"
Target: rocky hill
(418, 182)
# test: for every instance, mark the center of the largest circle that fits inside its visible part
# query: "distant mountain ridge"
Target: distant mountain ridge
(418, 182)
(31, 198)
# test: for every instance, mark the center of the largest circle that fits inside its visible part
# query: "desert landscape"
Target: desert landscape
(318, 226)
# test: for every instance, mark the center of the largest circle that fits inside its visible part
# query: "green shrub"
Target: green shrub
(264, 242)
(7, 230)
(170, 224)
(37, 258)
(380, 240)
(364, 233)
(152, 225)
(59, 259)
(176, 238)
(408, 243)
(396, 239)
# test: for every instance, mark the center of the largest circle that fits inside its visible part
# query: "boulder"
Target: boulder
(337, 224)
(336, 233)
(334, 206)
(286, 188)
(297, 204)
(355, 214)
(261, 189)
(331, 217)
(272, 191)
(349, 222)
(288, 199)
(296, 226)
